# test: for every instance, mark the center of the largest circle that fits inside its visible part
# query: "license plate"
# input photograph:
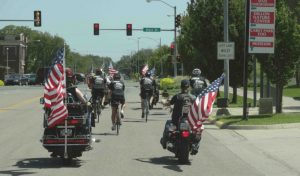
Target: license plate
(68, 133)
(184, 126)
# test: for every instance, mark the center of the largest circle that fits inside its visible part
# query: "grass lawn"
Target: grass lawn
(262, 119)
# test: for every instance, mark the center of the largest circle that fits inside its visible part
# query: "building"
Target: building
(12, 55)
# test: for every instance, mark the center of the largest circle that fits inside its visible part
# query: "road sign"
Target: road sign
(225, 50)
(261, 26)
(151, 29)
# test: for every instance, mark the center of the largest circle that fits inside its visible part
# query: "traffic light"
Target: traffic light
(129, 29)
(37, 16)
(178, 58)
(172, 48)
(177, 20)
(96, 28)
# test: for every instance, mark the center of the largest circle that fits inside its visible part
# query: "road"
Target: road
(137, 151)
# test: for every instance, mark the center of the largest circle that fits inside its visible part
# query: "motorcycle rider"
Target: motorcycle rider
(197, 82)
(147, 85)
(117, 88)
(182, 102)
(155, 98)
(71, 88)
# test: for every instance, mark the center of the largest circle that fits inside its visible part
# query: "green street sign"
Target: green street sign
(151, 29)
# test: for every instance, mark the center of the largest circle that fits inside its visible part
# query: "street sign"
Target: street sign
(261, 26)
(151, 29)
(225, 50)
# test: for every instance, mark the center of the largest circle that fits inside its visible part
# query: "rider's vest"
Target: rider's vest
(99, 82)
(198, 83)
(147, 84)
(186, 101)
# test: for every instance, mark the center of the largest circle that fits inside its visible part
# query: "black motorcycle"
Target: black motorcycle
(179, 139)
(70, 138)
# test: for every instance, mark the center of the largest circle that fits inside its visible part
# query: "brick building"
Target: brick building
(12, 54)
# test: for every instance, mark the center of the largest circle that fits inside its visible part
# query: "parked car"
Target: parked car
(28, 79)
(13, 79)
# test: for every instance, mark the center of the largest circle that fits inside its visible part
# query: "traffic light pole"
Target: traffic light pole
(175, 45)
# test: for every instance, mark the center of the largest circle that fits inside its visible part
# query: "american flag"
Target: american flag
(55, 91)
(202, 106)
(111, 70)
(145, 69)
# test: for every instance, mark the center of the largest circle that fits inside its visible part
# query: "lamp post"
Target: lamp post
(138, 49)
(7, 61)
(175, 44)
(159, 44)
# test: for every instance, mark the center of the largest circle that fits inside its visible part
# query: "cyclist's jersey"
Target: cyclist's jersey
(99, 83)
(117, 88)
(147, 84)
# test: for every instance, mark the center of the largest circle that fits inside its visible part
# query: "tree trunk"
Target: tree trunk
(234, 96)
(297, 75)
(279, 90)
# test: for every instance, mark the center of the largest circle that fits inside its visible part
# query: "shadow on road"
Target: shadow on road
(168, 162)
(42, 163)
(16, 172)
(105, 134)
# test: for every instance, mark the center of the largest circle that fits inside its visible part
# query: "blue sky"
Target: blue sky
(73, 20)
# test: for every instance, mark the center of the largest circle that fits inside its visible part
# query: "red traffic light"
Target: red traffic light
(96, 28)
(128, 29)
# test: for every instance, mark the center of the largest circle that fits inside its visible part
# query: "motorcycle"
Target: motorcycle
(179, 139)
(70, 138)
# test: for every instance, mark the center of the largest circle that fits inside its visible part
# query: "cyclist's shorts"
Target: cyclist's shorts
(97, 93)
(115, 99)
(143, 94)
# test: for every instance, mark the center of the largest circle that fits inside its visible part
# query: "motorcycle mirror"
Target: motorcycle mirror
(42, 100)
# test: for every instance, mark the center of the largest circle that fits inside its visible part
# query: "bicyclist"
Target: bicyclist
(146, 87)
(117, 88)
(98, 83)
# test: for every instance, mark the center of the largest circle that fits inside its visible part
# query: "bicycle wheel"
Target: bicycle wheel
(118, 121)
(146, 105)
(98, 109)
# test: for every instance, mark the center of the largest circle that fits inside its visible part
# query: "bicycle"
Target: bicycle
(118, 118)
(146, 103)
(97, 107)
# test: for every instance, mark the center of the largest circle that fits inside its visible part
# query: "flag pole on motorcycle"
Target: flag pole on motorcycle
(66, 119)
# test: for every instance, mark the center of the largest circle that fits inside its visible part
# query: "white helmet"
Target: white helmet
(196, 72)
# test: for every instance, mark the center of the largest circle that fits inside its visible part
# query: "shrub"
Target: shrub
(1, 83)
(167, 83)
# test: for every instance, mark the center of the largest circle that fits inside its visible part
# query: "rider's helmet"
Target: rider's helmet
(98, 72)
(148, 74)
(117, 76)
(196, 72)
(185, 84)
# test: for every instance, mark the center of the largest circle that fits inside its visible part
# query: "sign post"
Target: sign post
(261, 26)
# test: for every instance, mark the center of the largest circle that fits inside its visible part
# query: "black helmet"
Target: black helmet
(196, 72)
(185, 84)
(117, 76)
(98, 71)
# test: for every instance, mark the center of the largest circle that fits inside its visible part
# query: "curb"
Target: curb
(221, 125)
